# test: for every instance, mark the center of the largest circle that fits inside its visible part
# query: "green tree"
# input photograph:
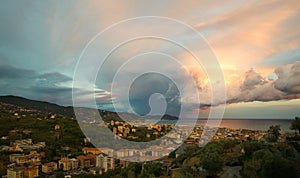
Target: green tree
(191, 149)
(212, 162)
(295, 125)
(60, 174)
(265, 163)
(134, 168)
(273, 133)
(193, 161)
(172, 154)
(154, 168)
(214, 146)
(130, 173)
(251, 146)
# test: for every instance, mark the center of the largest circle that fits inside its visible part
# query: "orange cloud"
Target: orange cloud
(254, 32)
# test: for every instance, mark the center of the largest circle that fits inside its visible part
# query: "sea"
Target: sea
(252, 124)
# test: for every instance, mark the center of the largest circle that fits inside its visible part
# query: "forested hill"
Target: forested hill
(46, 107)
(37, 105)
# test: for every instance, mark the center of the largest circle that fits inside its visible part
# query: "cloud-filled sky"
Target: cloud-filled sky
(257, 44)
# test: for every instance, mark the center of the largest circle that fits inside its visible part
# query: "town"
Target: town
(100, 160)
(61, 150)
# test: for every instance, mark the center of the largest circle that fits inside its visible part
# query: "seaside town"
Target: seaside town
(28, 157)
(99, 160)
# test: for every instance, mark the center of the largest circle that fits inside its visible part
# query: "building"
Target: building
(112, 122)
(86, 161)
(28, 144)
(64, 164)
(124, 163)
(108, 151)
(30, 172)
(104, 162)
(14, 172)
(120, 128)
(22, 172)
(49, 168)
(157, 151)
(15, 148)
(95, 170)
(124, 134)
(24, 142)
(87, 140)
(74, 163)
(56, 127)
(4, 137)
(83, 161)
(26, 131)
(127, 130)
(122, 153)
(33, 158)
(94, 151)
(133, 130)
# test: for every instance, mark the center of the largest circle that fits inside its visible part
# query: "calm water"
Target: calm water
(254, 124)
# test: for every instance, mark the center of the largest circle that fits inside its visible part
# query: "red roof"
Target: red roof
(50, 164)
(89, 156)
(90, 149)
(64, 160)
(28, 168)
(81, 157)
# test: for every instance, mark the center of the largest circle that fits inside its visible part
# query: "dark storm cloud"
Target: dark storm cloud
(59, 95)
(257, 88)
(15, 73)
(30, 84)
(149, 84)
(265, 92)
(252, 79)
(9, 72)
(52, 90)
(288, 78)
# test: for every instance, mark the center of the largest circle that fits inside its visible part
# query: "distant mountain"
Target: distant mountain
(37, 105)
(62, 110)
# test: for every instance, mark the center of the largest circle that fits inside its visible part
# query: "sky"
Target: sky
(256, 44)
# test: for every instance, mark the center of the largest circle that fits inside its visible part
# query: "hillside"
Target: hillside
(37, 105)
(68, 111)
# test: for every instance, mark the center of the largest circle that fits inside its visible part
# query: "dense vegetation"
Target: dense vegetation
(45, 107)
(67, 140)
(296, 124)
